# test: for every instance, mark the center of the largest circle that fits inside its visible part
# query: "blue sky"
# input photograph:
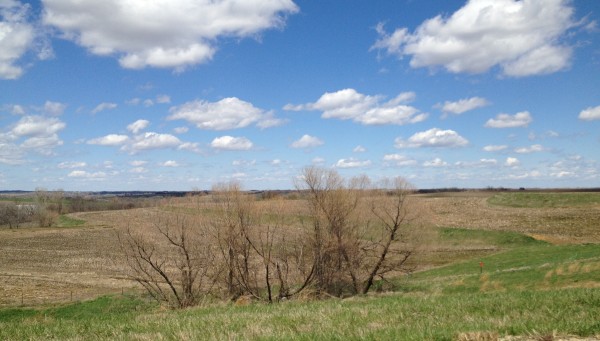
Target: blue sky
(183, 94)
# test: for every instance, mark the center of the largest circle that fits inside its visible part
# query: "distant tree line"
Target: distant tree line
(43, 207)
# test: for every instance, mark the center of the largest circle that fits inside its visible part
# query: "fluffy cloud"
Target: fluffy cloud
(399, 160)
(16, 37)
(104, 106)
(11, 154)
(512, 162)
(437, 162)
(54, 108)
(495, 148)
(228, 113)
(72, 164)
(523, 38)
(463, 105)
(590, 114)
(170, 163)
(42, 144)
(138, 126)
(152, 140)
(231, 143)
(348, 104)
(434, 137)
(307, 141)
(480, 163)
(352, 163)
(138, 163)
(33, 133)
(38, 126)
(518, 120)
(110, 140)
(531, 149)
(162, 33)
(181, 130)
(87, 175)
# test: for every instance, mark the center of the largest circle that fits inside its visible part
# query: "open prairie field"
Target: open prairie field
(83, 259)
(488, 266)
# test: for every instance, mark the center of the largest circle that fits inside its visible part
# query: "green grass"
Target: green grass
(525, 268)
(66, 221)
(469, 237)
(528, 288)
(393, 317)
(542, 200)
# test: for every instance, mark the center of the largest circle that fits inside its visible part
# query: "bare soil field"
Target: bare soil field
(49, 265)
(557, 225)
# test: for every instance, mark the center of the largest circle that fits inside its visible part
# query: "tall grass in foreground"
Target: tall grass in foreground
(393, 317)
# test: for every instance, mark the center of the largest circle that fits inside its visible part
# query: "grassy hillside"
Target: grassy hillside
(392, 317)
(530, 288)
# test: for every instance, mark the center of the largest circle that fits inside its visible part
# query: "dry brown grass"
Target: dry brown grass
(56, 265)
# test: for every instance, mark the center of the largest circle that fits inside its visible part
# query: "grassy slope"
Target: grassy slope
(394, 317)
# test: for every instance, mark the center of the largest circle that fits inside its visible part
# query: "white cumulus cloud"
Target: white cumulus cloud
(531, 149)
(590, 114)
(228, 113)
(72, 164)
(162, 33)
(348, 104)
(87, 175)
(399, 160)
(352, 163)
(54, 108)
(170, 163)
(38, 126)
(40, 134)
(104, 106)
(138, 126)
(152, 140)
(16, 37)
(512, 162)
(434, 137)
(307, 141)
(463, 105)
(495, 148)
(437, 162)
(518, 120)
(109, 140)
(522, 38)
(231, 143)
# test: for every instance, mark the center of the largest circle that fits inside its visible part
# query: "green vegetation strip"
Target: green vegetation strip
(66, 221)
(394, 317)
(542, 200)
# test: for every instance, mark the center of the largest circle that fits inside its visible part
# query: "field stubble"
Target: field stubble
(61, 264)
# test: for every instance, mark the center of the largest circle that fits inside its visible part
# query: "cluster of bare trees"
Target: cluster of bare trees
(14, 215)
(43, 210)
(340, 239)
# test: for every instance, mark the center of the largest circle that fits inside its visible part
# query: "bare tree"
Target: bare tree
(334, 233)
(355, 229)
(390, 251)
(44, 216)
(233, 216)
(258, 252)
(174, 262)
